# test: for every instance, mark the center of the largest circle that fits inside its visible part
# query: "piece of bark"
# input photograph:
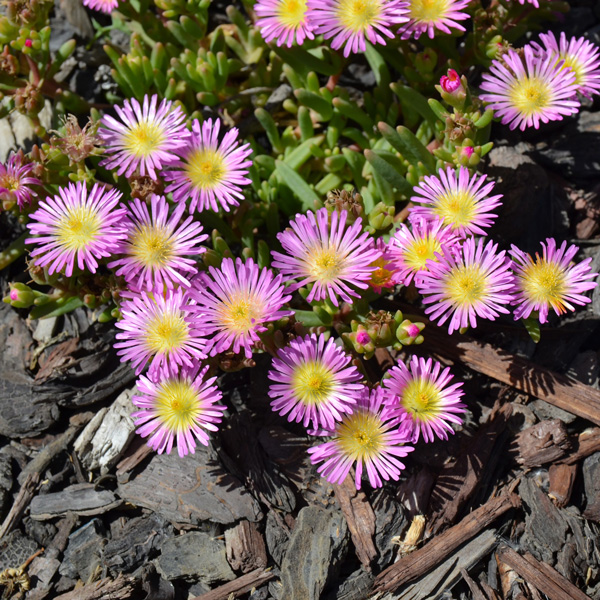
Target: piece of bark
(239, 586)
(559, 390)
(438, 548)
(586, 443)
(489, 591)
(26, 493)
(459, 479)
(591, 483)
(562, 478)
(121, 588)
(546, 579)
(245, 547)
(475, 589)
(415, 491)
(81, 499)
(545, 442)
(136, 452)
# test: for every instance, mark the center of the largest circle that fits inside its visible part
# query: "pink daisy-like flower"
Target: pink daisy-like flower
(314, 382)
(77, 226)
(462, 202)
(178, 407)
(411, 249)
(160, 329)
(369, 437)
(535, 3)
(235, 301)
(525, 93)
(383, 275)
(330, 256)
(351, 22)
(425, 400)
(16, 181)
(105, 6)
(210, 173)
(427, 16)
(284, 21)
(147, 138)
(577, 54)
(156, 246)
(550, 281)
(475, 282)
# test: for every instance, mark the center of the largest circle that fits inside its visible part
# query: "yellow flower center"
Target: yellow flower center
(361, 435)
(78, 228)
(544, 282)
(428, 11)
(177, 405)
(10, 183)
(421, 398)
(456, 208)
(240, 314)
(167, 332)
(420, 251)
(312, 383)
(291, 13)
(575, 65)
(466, 285)
(380, 277)
(206, 169)
(529, 95)
(358, 15)
(143, 138)
(325, 264)
(151, 246)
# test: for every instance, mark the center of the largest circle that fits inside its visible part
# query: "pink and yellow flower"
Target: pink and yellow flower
(16, 181)
(283, 21)
(431, 16)
(105, 6)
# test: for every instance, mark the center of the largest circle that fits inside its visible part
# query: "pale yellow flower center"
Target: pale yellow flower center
(291, 13)
(324, 264)
(167, 332)
(78, 228)
(420, 251)
(455, 208)
(529, 95)
(312, 383)
(206, 169)
(381, 276)
(421, 398)
(361, 436)
(240, 313)
(177, 405)
(152, 246)
(428, 11)
(358, 15)
(544, 282)
(143, 138)
(466, 285)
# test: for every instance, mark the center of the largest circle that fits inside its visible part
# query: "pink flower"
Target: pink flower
(426, 402)
(283, 21)
(475, 282)
(77, 226)
(426, 16)
(370, 438)
(16, 181)
(550, 281)
(178, 407)
(462, 202)
(351, 22)
(159, 329)
(210, 173)
(147, 138)
(314, 382)
(525, 93)
(235, 301)
(105, 6)
(330, 256)
(156, 246)
(450, 82)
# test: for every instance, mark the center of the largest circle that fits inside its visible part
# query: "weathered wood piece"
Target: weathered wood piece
(191, 490)
(80, 499)
(135, 453)
(591, 481)
(545, 442)
(245, 547)
(562, 478)
(424, 559)
(475, 589)
(121, 588)
(522, 374)
(26, 493)
(360, 519)
(103, 440)
(586, 443)
(239, 586)
(541, 575)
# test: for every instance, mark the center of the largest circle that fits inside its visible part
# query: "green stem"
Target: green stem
(14, 251)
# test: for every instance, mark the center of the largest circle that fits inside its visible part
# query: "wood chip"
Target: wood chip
(586, 443)
(562, 478)
(475, 589)
(245, 547)
(239, 586)
(121, 588)
(541, 444)
(546, 579)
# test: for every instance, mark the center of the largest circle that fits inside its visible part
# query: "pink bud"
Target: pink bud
(14, 294)
(28, 43)
(467, 151)
(450, 82)
(413, 330)
(362, 337)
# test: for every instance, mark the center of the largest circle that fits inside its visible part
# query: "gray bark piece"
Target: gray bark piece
(15, 549)
(190, 490)
(106, 436)
(194, 556)
(81, 499)
(390, 521)
(318, 544)
(591, 482)
(84, 552)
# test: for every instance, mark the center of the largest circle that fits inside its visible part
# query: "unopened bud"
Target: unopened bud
(20, 296)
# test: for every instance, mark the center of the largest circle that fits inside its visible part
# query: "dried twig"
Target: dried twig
(121, 588)
(238, 586)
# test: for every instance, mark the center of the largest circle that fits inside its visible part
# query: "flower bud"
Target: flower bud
(20, 296)
(410, 333)
(382, 217)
